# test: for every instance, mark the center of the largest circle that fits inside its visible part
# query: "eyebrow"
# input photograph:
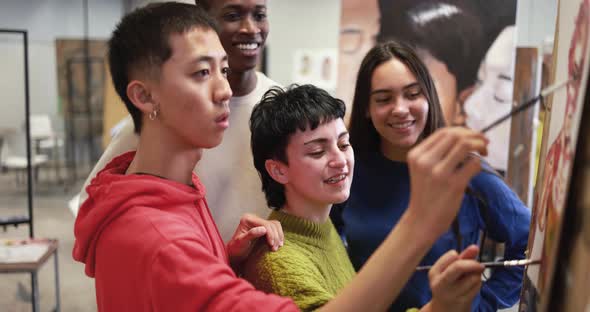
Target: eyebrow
(324, 140)
(409, 86)
(504, 77)
(239, 7)
(208, 59)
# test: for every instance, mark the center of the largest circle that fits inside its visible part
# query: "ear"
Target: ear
(139, 94)
(277, 171)
(465, 94)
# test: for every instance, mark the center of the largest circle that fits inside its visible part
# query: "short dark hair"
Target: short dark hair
(140, 43)
(276, 118)
(448, 30)
(363, 135)
(205, 4)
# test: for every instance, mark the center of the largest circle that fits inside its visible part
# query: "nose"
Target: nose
(249, 26)
(338, 159)
(401, 107)
(221, 90)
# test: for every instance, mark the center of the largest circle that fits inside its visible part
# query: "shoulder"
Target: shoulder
(277, 269)
(125, 140)
(288, 272)
(264, 82)
(157, 226)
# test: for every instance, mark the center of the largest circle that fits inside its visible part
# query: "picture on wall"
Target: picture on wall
(571, 64)
(468, 47)
(316, 66)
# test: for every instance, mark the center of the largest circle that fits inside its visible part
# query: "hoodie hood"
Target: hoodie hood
(112, 193)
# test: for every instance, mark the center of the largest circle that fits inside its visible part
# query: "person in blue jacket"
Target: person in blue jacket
(396, 106)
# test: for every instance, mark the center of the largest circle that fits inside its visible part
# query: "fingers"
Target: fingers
(272, 236)
(470, 168)
(435, 145)
(460, 282)
(467, 286)
(442, 263)
(443, 140)
(273, 229)
(461, 267)
(459, 153)
(243, 240)
(470, 252)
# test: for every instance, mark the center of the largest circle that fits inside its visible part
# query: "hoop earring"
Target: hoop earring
(154, 114)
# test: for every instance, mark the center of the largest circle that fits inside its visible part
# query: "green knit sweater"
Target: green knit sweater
(311, 267)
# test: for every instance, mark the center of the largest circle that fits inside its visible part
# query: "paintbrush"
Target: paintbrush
(493, 264)
(529, 103)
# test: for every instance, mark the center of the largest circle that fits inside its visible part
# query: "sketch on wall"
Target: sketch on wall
(317, 67)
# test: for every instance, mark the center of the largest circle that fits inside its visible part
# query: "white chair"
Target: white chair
(43, 135)
(46, 141)
(9, 161)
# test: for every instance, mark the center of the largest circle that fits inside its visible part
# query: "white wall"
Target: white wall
(301, 24)
(535, 21)
(45, 20)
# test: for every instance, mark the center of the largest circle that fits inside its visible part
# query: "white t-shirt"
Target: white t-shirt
(227, 171)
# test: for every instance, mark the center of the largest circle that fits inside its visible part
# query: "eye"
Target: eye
(316, 154)
(226, 71)
(344, 146)
(201, 73)
(382, 100)
(413, 94)
(231, 16)
(260, 16)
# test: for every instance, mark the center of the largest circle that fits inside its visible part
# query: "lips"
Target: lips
(249, 48)
(337, 178)
(223, 120)
(401, 125)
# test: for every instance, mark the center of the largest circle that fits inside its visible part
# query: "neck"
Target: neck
(165, 156)
(242, 83)
(394, 153)
(314, 212)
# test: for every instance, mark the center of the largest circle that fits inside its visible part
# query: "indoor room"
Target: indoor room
(465, 117)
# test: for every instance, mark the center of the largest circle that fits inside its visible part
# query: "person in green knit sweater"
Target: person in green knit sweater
(302, 154)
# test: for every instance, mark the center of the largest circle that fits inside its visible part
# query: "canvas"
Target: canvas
(571, 59)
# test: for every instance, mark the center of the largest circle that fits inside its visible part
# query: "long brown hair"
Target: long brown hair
(363, 135)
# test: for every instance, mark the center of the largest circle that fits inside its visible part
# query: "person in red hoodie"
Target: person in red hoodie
(145, 232)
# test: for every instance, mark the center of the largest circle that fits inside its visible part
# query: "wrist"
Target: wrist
(414, 221)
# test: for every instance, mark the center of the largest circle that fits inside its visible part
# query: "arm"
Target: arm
(185, 276)
(508, 222)
(126, 140)
(439, 172)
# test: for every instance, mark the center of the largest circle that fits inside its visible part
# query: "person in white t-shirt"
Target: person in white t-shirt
(232, 184)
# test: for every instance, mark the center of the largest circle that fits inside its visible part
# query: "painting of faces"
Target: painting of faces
(467, 45)
(550, 218)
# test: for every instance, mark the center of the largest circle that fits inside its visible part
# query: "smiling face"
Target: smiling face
(243, 28)
(320, 167)
(192, 92)
(398, 108)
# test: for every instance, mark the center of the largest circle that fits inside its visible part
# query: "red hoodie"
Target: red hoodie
(151, 245)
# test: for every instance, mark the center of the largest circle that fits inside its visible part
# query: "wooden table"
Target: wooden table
(33, 269)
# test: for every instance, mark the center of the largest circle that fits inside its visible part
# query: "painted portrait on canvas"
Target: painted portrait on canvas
(566, 110)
